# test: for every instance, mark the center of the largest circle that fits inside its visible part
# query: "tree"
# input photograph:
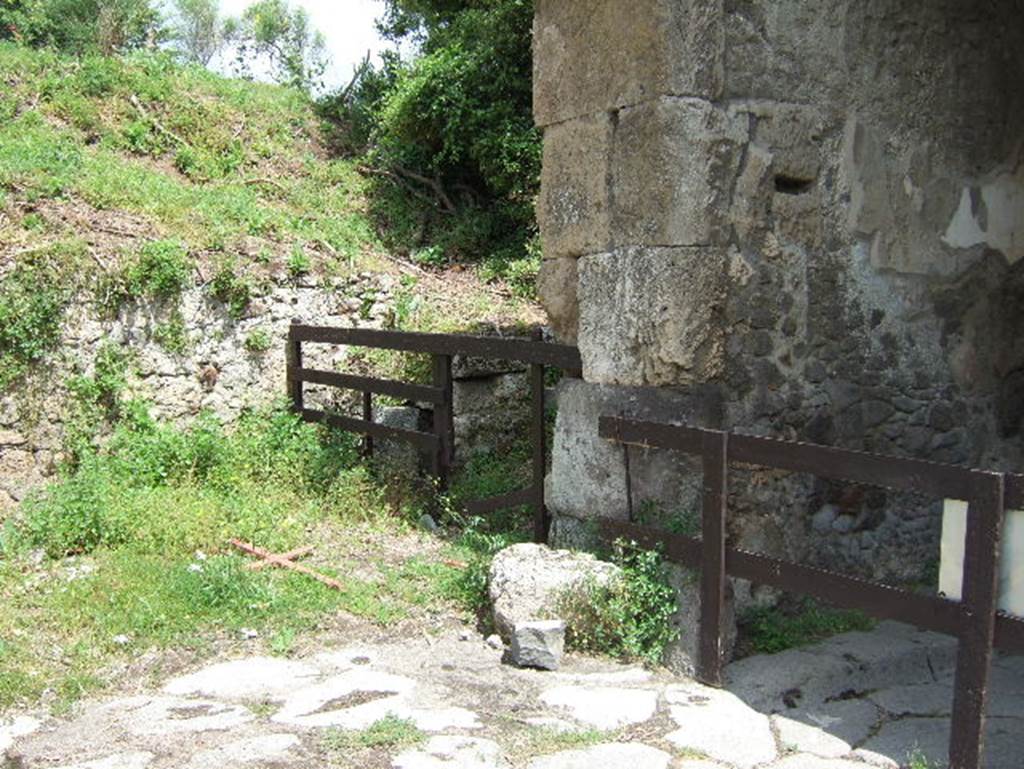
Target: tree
(448, 133)
(284, 38)
(82, 26)
(197, 29)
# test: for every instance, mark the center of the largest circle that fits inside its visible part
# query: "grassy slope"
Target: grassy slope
(103, 162)
(101, 156)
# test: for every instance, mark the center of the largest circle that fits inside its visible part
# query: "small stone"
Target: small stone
(427, 523)
(495, 642)
(121, 640)
(248, 633)
(19, 727)
(539, 644)
(465, 635)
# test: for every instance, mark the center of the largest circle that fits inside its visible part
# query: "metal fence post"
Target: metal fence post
(293, 354)
(444, 426)
(715, 459)
(539, 440)
(367, 417)
(974, 654)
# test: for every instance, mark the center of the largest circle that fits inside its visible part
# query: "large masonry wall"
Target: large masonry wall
(796, 218)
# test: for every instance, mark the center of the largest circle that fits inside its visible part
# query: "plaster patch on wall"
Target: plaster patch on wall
(992, 214)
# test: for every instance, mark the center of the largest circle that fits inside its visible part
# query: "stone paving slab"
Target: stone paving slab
(478, 712)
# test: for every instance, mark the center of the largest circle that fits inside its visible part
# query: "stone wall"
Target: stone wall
(222, 372)
(794, 218)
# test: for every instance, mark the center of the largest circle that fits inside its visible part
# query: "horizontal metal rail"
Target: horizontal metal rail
(936, 479)
(423, 441)
(395, 389)
(561, 356)
(500, 502)
(974, 619)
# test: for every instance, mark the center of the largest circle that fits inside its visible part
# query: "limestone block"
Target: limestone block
(572, 209)
(527, 580)
(591, 471)
(538, 644)
(596, 55)
(652, 316)
(683, 655)
(556, 287)
(673, 165)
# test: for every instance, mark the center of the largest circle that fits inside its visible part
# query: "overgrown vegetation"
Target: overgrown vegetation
(794, 623)
(34, 294)
(390, 732)
(629, 617)
(448, 135)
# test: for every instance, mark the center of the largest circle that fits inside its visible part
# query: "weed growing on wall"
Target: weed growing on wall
(628, 618)
(33, 297)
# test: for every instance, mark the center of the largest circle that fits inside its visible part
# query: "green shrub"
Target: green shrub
(298, 262)
(628, 618)
(33, 298)
(162, 269)
(258, 341)
(771, 629)
(172, 334)
(231, 288)
(250, 482)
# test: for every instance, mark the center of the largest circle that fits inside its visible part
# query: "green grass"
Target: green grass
(542, 740)
(768, 630)
(136, 542)
(390, 732)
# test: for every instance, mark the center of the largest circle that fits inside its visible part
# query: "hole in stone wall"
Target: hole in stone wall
(791, 185)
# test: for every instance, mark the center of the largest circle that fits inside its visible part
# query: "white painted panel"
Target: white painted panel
(1011, 559)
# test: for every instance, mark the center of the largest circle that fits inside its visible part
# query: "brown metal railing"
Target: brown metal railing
(440, 443)
(974, 620)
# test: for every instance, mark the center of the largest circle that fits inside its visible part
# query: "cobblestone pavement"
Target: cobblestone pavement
(858, 700)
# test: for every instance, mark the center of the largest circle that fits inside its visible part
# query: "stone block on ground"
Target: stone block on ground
(603, 707)
(718, 724)
(538, 644)
(451, 753)
(591, 471)
(527, 580)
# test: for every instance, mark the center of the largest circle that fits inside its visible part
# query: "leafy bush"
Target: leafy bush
(231, 288)
(33, 297)
(449, 134)
(80, 26)
(163, 269)
(250, 482)
(629, 617)
(258, 341)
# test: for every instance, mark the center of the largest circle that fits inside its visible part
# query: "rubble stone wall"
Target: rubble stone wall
(799, 218)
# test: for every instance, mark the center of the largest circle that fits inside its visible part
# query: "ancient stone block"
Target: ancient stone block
(651, 316)
(591, 471)
(538, 644)
(673, 166)
(557, 291)
(526, 582)
(597, 55)
(572, 209)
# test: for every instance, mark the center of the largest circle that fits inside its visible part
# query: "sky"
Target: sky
(348, 26)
